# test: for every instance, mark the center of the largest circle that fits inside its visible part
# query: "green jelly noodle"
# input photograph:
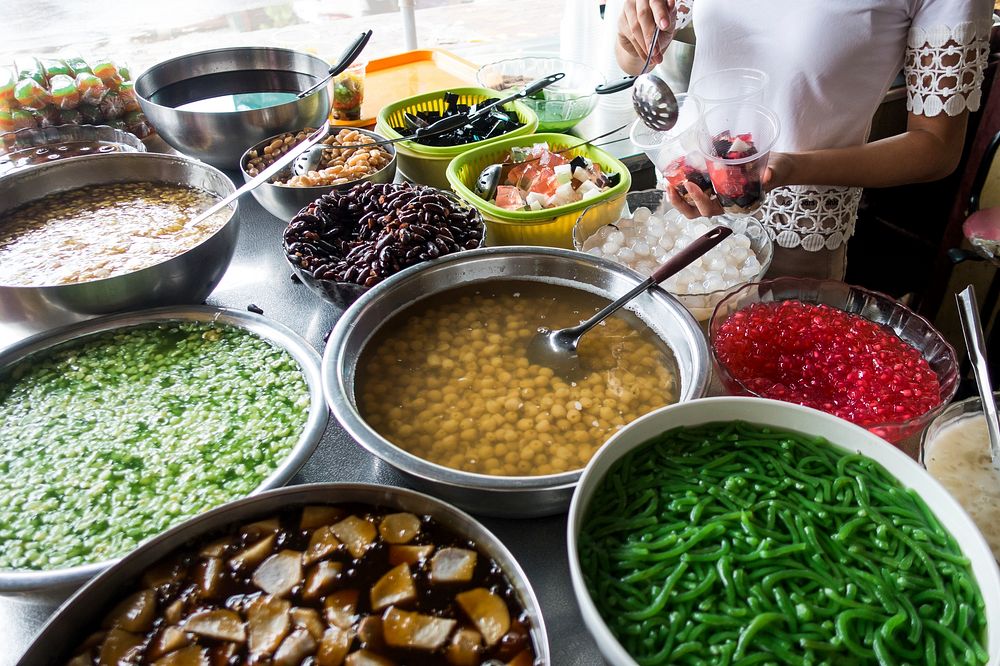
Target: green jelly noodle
(732, 543)
(111, 439)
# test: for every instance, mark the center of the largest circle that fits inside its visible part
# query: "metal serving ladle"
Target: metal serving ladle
(312, 159)
(557, 349)
(968, 312)
(652, 98)
(347, 58)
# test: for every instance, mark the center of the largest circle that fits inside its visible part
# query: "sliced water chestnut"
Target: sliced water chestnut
(259, 529)
(119, 647)
(169, 640)
(321, 579)
(308, 619)
(395, 587)
(412, 555)
(297, 646)
(367, 658)
(135, 614)
(358, 534)
(322, 543)
(279, 573)
(487, 611)
(223, 625)
(318, 516)
(216, 548)
(210, 575)
(465, 649)
(254, 555)
(370, 632)
(399, 528)
(340, 608)
(191, 655)
(453, 565)
(406, 629)
(268, 622)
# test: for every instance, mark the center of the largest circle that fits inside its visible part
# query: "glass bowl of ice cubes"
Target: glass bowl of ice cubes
(649, 231)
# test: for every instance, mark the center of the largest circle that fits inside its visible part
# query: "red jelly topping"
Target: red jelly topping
(835, 361)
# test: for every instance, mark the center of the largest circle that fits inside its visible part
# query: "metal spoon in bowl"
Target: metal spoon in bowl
(557, 349)
(968, 312)
(347, 58)
(311, 160)
(267, 173)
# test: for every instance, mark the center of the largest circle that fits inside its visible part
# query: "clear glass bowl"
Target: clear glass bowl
(700, 305)
(561, 105)
(874, 306)
(33, 146)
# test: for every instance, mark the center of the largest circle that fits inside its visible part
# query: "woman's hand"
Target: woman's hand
(636, 24)
(778, 172)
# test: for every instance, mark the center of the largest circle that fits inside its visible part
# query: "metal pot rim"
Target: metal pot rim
(41, 171)
(346, 412)
(450, 516)
(19, 581)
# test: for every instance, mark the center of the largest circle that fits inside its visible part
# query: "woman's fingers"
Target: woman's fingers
(682, 206)
(629, 31)
(705, 205)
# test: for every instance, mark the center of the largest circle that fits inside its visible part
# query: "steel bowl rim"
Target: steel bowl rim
(144, 76)
(597, 627)
(815, 284)
(16, 581)
(349, 417)
(393, 496)
(321, 189)
(39, 172)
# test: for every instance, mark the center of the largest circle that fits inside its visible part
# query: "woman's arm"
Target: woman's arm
(636, 24)
(929, 149)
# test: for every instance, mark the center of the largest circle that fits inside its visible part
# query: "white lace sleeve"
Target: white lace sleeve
(944, 66)
(683, 14)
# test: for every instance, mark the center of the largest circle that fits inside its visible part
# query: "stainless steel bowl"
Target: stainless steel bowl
(285, 202)
(67, 628)
(219, 138)
(56, 584)
(520, 496)
(186, 278)
(18, 149)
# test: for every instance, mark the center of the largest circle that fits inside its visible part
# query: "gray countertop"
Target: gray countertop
(260, 275)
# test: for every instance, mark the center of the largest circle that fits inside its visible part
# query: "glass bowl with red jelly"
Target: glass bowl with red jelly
(845, 350)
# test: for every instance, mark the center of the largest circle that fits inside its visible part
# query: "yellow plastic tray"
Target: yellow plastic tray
(406, 74)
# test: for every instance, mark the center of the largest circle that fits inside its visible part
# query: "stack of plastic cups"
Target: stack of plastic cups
(675, 153)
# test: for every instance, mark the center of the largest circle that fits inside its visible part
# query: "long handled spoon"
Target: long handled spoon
(312, 159)
(346, 59)
(968, 312)
(267, 173)
(557, 349)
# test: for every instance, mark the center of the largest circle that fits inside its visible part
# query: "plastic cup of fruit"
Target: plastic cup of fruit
(675, 153)
(740, 84)
(349, 92)
(900, 424)
(736, 141)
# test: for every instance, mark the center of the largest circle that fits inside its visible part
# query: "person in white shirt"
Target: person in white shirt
(830, 63)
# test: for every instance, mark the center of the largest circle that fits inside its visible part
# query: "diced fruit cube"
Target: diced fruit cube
(321, 579)
(465, 649)
(487, 611)
(333, 646)
(297, 646)
(340, 608)
(279, 573)
(404, 629)
(317, 516)
(395, 587)
(563, 173)
(268, 622)
(321, 544)
(412, 555)
(399, 528)
(220, 624)
(357, 533)
(453, 565)
(508, 197)
(135, 613)
(253, 555)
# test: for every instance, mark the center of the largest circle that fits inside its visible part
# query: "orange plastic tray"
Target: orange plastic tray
(406, 74)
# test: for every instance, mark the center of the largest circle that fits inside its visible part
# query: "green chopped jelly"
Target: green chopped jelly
(111, 439)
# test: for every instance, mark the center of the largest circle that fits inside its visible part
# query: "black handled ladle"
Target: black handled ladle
(310, 160)
(346, 59)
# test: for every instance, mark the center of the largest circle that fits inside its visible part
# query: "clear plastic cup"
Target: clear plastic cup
(736, 140)
(349, 92)
(675, 153)
(740, 84)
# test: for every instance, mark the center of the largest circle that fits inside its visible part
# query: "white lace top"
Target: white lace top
(830, 64)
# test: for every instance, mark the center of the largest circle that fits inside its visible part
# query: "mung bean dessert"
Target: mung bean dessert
(102, 231)
(450, 381)
(113, 438)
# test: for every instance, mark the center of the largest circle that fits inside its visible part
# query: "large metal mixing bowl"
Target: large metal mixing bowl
(521, 496)
(57, 584)
(220, 137)
(69, 626)
(186, 278)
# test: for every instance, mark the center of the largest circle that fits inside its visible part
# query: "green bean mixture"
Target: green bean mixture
(113, 438)
(736, 543)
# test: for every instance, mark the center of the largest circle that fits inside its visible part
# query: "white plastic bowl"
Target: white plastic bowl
(789, 417)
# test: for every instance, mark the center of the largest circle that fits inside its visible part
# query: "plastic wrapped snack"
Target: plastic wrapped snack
(72, 91)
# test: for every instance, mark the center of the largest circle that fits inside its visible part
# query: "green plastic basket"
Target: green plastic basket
(427, 164)
(553, 226)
